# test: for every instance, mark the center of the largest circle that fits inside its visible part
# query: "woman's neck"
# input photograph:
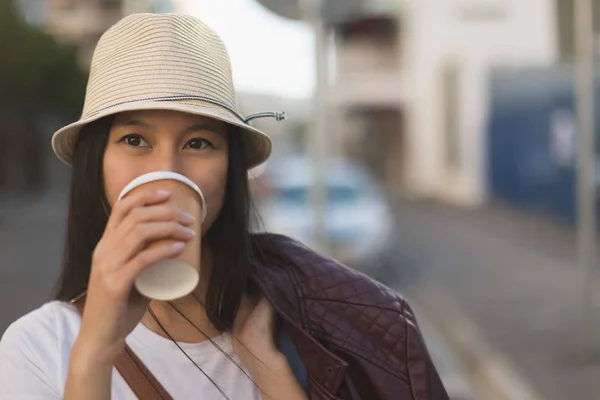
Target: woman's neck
(184, 320)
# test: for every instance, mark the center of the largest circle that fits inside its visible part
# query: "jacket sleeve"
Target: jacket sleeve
(425, 382)
(417, 379)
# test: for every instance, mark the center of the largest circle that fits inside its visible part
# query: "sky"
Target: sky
(269, 54)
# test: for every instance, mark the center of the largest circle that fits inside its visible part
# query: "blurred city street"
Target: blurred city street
(445, 148)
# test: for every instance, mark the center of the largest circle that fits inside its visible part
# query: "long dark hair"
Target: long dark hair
(229, 237)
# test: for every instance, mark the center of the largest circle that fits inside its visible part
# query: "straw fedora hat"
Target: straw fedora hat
(163, 62)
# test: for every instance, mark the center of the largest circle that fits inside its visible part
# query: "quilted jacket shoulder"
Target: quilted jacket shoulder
(357, 318)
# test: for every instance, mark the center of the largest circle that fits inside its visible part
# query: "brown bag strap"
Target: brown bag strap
(141, 381)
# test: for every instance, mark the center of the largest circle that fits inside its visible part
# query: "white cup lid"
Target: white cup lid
(162, 175)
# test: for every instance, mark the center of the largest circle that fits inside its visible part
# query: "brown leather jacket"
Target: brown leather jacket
(357, 338)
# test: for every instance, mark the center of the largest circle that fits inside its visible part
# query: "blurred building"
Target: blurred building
(369, 96)
(565, 14)
(411, 83)
(451, 50)
(83, 21)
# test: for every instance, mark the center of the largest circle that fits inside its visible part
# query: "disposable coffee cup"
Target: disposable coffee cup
(176, 277)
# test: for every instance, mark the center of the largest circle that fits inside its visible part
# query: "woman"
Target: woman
(270, 319)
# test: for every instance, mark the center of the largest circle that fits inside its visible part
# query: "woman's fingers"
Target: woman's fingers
(155, 213)
(135, 222)
(123, 207)
(148, 257)
(145, 233)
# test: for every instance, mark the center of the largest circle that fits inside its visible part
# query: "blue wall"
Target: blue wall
(522, 169)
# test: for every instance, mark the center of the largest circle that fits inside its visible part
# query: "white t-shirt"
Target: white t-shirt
(35, 351)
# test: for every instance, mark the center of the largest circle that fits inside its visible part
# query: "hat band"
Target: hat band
(173, 98)
(277, 115)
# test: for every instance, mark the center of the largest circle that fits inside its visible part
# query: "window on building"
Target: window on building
(368, 43)
(377, 29)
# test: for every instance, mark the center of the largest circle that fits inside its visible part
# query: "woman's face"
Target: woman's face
(158, 140)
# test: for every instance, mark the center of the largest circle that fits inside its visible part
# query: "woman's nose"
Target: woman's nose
(166, 161)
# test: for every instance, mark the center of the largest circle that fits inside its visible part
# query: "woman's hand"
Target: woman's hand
(254, 339)
(254, 344)
(112, 308)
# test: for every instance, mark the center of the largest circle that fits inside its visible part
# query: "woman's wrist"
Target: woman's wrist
(90, 372)
(87, 353)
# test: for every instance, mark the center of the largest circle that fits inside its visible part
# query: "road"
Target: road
(513, 277)
(31, 243)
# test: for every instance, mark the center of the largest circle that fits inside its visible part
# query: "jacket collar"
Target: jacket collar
(326, 370)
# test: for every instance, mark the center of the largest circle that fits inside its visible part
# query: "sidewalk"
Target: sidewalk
(515, 278)
(48, 203)
(453, 372)
(32, 230)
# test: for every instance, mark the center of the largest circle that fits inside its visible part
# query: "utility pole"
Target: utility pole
(586, 186)
(317, 139)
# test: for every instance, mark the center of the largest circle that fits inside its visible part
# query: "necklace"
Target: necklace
(188, 357)
(229, 357)
(234, 338)
(212, 341)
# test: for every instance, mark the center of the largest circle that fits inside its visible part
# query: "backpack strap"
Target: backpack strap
(141, 381)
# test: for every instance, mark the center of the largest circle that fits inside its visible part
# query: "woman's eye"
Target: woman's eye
(198, 144)
(134, 141)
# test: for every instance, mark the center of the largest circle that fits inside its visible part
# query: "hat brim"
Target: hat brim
(257, 144)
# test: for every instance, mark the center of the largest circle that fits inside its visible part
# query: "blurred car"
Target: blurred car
(357, 222)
